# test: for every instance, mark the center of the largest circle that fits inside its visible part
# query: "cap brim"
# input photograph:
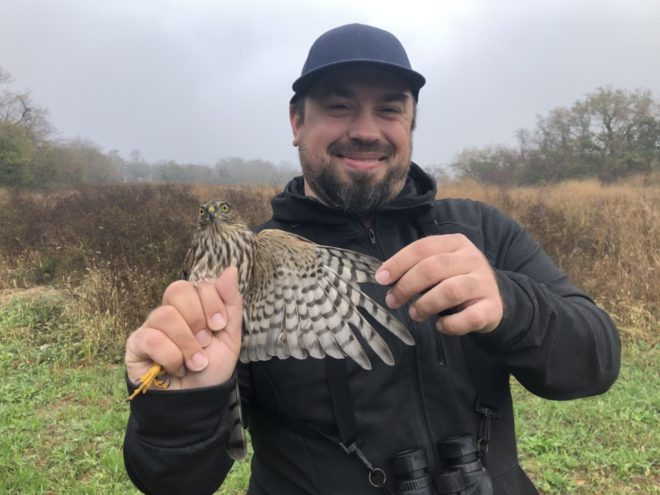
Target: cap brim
(302, 84)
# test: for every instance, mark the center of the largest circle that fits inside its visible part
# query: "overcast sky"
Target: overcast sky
(200, 80)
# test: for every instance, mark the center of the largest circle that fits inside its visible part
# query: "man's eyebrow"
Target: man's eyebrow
(343, 92)
(399, 96)
(334, 90)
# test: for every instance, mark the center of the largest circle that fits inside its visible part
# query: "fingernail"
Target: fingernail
(217, 322)
(182, 372)
(199, 361)
(412, 312)
(382, 276)
(203, 337)
(438, 325)
(390, 300)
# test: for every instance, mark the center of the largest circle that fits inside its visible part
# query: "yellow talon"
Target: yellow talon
(155, 376)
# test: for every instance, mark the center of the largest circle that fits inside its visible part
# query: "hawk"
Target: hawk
(300, 299)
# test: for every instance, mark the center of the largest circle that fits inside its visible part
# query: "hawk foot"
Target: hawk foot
(156, 376)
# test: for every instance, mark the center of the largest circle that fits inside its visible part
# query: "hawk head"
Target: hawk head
(218, 211)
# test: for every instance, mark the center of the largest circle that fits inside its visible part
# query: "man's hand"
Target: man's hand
(446, 271)
(195, 335)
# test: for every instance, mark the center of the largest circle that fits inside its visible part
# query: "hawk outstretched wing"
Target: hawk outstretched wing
(303, 301)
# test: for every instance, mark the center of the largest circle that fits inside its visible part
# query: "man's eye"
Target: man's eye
(338, 106)
(393, 110)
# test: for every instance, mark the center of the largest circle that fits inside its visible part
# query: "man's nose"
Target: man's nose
(364, 127)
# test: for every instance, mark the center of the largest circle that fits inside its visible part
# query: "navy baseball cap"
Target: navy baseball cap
(356, 44)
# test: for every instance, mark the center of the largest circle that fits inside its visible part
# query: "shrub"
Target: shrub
(112, 249)
(606, 238)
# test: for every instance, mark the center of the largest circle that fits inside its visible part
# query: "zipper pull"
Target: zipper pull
(372, 236)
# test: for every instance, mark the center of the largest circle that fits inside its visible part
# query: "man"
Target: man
(480, 297)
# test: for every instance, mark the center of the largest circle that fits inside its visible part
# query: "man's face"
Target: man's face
(355, 140)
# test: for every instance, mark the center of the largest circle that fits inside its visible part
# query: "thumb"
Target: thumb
(227, 287)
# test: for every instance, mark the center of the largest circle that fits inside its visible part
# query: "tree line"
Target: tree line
(610, 134)
(233, 170)
(31, 156)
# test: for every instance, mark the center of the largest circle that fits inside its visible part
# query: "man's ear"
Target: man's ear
(295, 120)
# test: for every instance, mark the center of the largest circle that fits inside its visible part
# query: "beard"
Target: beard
(360, 193)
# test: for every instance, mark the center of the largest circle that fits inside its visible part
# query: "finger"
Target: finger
(147, 346)
(480, 317)
(212, 304)
(227, 288)
(427, 273)
(171, 322)
(456, 291)
(186, 298)
(393, 268)
(183, 296)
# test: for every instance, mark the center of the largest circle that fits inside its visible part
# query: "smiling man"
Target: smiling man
(353, 130)
(480, 298)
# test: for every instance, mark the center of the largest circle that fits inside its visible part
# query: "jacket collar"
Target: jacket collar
(292, 206)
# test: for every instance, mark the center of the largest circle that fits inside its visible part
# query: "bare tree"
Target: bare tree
(18, 109)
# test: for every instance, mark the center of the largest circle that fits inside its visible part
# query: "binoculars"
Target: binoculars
(463, 472)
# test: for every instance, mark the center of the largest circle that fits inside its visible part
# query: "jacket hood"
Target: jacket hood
(292, 206)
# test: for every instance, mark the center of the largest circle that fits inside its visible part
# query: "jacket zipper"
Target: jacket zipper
(372, 237)
(428, 444)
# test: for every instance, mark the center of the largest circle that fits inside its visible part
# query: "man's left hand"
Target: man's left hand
(446, 272)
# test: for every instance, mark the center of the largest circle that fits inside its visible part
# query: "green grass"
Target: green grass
(600, 445)
(62, 423)
(63, 418)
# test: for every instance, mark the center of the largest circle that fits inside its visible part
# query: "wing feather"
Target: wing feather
(304, 300)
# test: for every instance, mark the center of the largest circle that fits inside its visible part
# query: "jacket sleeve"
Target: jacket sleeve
(175, 440)
(553, 338)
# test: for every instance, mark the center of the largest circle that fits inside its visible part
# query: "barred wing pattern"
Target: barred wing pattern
(300, 299)
(303, 301)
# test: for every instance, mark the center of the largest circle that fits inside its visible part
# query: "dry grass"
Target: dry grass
(112, 250)
(605, 237)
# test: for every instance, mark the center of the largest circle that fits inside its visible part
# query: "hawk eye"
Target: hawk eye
(224, 208)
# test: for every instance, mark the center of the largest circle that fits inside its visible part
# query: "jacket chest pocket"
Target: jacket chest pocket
(443, 228)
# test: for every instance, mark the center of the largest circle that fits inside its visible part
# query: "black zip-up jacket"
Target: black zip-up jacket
(553, 339)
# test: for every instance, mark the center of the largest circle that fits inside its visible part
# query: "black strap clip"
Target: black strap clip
(342, 403)
(487, 414)
(377, 476)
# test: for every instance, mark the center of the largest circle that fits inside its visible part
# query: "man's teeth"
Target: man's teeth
(361, 158)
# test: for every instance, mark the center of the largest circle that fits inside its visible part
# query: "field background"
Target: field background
(80, 268)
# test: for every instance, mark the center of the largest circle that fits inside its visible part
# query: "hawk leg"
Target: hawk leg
(156, 376)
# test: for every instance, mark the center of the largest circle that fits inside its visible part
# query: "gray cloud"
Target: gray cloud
(199, 81)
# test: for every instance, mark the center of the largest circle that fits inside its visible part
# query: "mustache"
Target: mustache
(355, 146)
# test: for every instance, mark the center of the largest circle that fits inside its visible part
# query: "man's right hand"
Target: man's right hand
(195, 335)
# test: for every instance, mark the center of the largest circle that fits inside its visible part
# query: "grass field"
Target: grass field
(63, 424)
(73, 287)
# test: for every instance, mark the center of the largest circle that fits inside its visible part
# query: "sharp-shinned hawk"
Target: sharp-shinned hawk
(300, 299)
